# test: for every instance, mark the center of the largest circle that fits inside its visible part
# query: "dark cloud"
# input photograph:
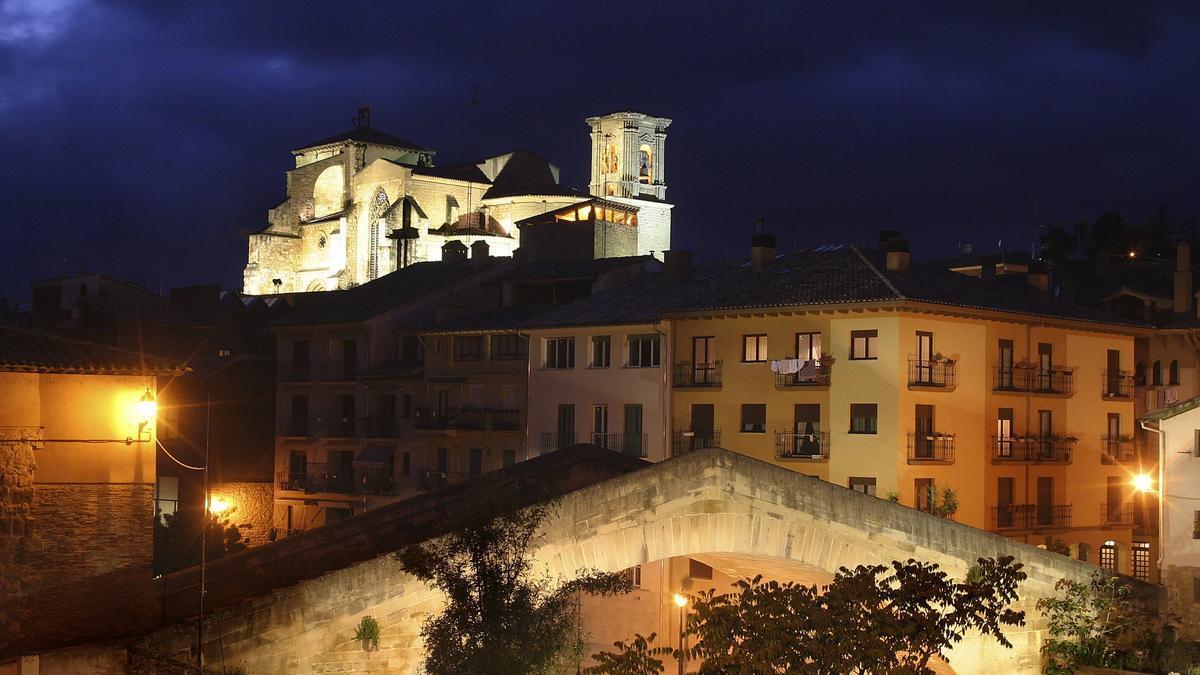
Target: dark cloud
(142, 137)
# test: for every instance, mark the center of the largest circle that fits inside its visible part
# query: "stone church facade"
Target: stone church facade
(364, 203)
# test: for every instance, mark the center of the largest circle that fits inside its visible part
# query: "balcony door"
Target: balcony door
(297, 467)
(923, 431)
(1045, 501)
(1005, 374)
(807, 418)
(1045, 433)
(704, 361)
(1116, 500)
(566, 426)
(1113, 376)
(632, 444)
(925, 357)
(349, 359)
(600, 425)
(702, 425)
(1045, 366)
(1004, 502)
(1004, 433)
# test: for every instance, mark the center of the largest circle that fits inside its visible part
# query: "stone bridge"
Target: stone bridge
(711, 505)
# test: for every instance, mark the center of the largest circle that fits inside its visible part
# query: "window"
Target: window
(699, 570)
(560, 352)
(407, 406)
(508, 348)
(411, 350)
(1156, 373)
(754, 348)
(600, 425)
(439, 346)
(754, 418)
(808, 346)
(923, 494)
(633, 575)
(601, 351)
(1141, 560)
(166, 498)
(643, 351)
(633, 430)
(298, 424)
(864, 418)
(863, 485)
(1195, 524)
(864, 344)
(510, 457)
(468, 347)
(1108, 555)
(1173, 373)
(475, 466)
(406, 464)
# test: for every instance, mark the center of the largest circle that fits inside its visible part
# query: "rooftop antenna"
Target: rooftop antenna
(363, 119)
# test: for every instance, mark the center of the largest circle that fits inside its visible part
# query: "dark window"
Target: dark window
(560, 352)
(407, 406)
(863, 485)
(754, 418)
(299, 422)
(864, 344)
(468, 347)
(864, 418)
(406, 464)
(698, 570)
(476, 465)
(1196, 525)
(601, 351)
(1173, 373)
(644, 351)
(300, 359)
(923, 494)
(510, 457)
(508, 348)
(410, 349)
(754, 348)
(1156, 373)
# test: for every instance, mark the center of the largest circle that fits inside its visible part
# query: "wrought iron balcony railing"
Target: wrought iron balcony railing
(811, 446)
(626, 443)
(558, 440)
(1116, 513)
(1118, 448)
(930, 447)
(1034, 380)
(1030, 516)
(1117, 384)
(811, 374)
(1046, 450)
(377, 427)
(937, 373)
(453, 418)
(688, 375)
(686, 441)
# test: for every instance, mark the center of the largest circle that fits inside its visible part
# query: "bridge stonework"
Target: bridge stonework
(706, 502)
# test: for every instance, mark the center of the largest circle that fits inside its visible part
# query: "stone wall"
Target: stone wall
(17, 538)
(92, 529)
(1182, 584)
(250, 507)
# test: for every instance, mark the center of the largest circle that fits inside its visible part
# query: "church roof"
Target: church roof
(465, 171)
(526, 173)
(367, 135)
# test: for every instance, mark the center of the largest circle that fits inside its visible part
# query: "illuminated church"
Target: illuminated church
(363, 203)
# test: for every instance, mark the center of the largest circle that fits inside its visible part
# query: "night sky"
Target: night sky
(146, 139)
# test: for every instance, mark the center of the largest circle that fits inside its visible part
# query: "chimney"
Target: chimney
(454, 251)
(1037, 277)
(898, 257)
(678, 263)
(886, 237)
(762, 248)
(479, 253)
(987, 268)
(1183, 278)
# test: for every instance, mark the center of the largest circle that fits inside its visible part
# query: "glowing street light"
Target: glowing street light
(1143, 483)
(681, 601)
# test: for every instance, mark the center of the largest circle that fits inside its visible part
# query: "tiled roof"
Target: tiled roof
(466, 171)
(1172, 410)
(26, 351)
(825, 275)
(366, 135)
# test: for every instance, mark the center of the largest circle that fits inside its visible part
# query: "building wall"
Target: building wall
(585, 386)
(654, 226)
(249, 506)
(1180, 515)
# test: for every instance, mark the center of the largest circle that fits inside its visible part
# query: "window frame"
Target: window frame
(560, 360)
(636, 347)
(870, 339)
(873, 427)
(461, 353)
(502, 343)
(760, 347)
(747, 428)
(604, 344)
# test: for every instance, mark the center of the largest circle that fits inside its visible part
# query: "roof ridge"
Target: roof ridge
(879, 274)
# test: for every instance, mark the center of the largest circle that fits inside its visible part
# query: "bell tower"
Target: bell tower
(628, 155)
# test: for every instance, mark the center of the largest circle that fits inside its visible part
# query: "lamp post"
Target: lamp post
(681, 601)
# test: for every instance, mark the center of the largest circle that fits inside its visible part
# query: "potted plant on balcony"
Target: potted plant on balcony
(368, 633)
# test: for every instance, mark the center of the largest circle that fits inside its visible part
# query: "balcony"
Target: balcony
(697, 375)
(557, 441)
(934, 374)
(1029, 517)
(460, 418)
(380, 427)
(323, 371)
(318, 478)
(811, 374)
(812, 447)
(436, 480)
(296, 427)
(930, 448)
(290, 480)
(686, 441)
(1036, 449)
(630, 444)
(374, 480)
(1116, 514)
(1029, 379)
(505, 420)
(342, 427)
(1117, 449)
(1118, 384)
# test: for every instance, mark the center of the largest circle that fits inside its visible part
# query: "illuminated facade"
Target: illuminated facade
(364, 203)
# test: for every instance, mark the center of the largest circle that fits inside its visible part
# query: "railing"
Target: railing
(341, 427)
(686, 441)
(626, 443)
(436, 480)
(377, 427)
(290, 480)
(506, 420)
(323, 371)
(1117, 384)
(930, 447)
(791, 445)
(697, 374)
(1033, 379)
(374, 480)
(1118, 448)
(1116, 514)
(296, 427)
(459, 418)
(1030, 516)
(812, 374)
(940, 373)
(557, 441)
(1050, 450)
(330, 478)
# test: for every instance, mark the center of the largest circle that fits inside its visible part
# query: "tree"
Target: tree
(1092, 624)
(875, 619)
(501, 616)
(631, 658)
(177, 544)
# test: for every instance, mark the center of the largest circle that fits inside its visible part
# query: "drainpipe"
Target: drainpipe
(528, 395)
(1162, 491)
(667, 366)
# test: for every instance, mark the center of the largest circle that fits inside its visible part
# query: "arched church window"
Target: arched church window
(329, 191)
(645, 164)
(379, 205)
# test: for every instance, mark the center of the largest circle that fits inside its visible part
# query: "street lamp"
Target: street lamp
(681, 601)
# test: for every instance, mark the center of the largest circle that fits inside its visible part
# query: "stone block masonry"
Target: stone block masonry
(17, 538)
(250, 508)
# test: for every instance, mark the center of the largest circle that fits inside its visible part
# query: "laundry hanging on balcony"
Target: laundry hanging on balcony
(787, 366)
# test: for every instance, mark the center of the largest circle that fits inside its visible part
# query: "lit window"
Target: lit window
(1108, 555)
(1141, 560)
(754, 348)
(560, 352)
(864, 344)
(644, 351)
